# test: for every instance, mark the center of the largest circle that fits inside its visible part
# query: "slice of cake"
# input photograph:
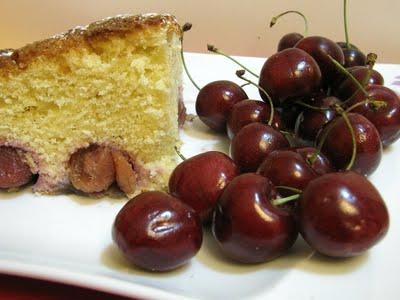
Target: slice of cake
(95, 106)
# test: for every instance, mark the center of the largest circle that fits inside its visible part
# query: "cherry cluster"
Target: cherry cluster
(299, 161)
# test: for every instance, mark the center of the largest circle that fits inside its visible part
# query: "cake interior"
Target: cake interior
(119, 90)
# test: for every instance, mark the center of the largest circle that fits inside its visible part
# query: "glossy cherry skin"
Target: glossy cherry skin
(287, 168)
(385, 119)
(253, 143)
(361, 72)
(250, 111)
(347, 87)
(289, 40)
(319, 48)
(311, 121)
(157, 232)
(338, 146)
(291, 73)
(215, 101)
(342, 214)
(294, 170)
(247, 227)
(200, 180)
(321, 165)
(353, 57)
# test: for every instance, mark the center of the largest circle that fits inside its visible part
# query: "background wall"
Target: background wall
(236, 26)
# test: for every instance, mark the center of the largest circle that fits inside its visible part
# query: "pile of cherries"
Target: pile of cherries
(299, 162)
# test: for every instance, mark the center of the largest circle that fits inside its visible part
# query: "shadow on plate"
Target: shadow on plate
(10, 195)
(197, 129)
(389, 150)
(211, 256)
(112, 258)
(112, 196)
(215, 141)
(300, 257)
(324, 265)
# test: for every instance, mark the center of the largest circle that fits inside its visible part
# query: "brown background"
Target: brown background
(238, 27)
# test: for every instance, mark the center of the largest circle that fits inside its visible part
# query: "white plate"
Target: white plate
(67, 238)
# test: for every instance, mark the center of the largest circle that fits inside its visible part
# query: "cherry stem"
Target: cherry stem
(346, 31)
(240, 74)
(371, 59)
(325, 133)
(284, 187)
(353, 139)
(245, 84)
(376, 105)
(275, 19)
(215, 50)
(285, 132)
(291, 138)
(281, 201)
(187, 27)
(348, 74)
(311, 106)
(329, 91)
(314, 157)
(299, 119)
(179, 153)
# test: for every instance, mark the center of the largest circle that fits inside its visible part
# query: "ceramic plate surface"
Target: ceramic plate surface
(68, 238)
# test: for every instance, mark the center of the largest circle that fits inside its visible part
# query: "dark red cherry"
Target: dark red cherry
(200, 180)
(319, 48)
(253, 143)
(215, 101)
(386, 119)
(354, 57)
(289, 40)
(291, 73)
(347, 87)
(321, 165)
(311, 121)
(338, 146)
(342, 214)
(287, 168)
(250, 111)
(14, 170)
(247, 227)
(360, 73)
(157, 232)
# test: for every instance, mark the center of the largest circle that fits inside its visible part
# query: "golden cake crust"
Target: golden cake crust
(12, 60)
